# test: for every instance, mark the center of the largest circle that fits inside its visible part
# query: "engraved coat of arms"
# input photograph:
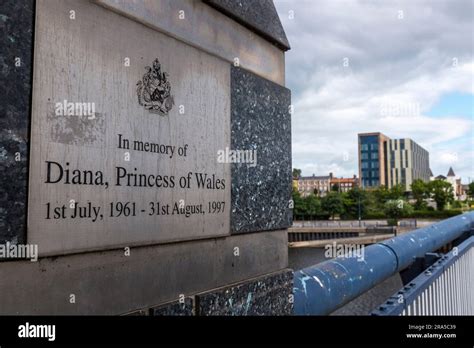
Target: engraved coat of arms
(154, 90)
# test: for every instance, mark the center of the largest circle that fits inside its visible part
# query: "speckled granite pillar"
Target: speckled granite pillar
(16, 41)
(260, 121)
(176, 308)
(267, 295)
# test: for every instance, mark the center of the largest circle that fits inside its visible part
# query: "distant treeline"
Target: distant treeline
(382, 203)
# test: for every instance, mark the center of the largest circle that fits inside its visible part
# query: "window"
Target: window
(364, 156)
(375, 165)
(364, 147)
(374, 147)
(375, 155)
(365, 165)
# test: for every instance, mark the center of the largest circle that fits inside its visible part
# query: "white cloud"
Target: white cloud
(398, 69)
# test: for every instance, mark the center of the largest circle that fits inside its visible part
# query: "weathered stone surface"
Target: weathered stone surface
(207, 29)
(260, 16)
(175, 308)
(267, 295)
(110, 283)
(131, 143)
(260, 121)
(16, 41)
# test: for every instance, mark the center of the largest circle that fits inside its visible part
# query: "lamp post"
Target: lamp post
(360, 222)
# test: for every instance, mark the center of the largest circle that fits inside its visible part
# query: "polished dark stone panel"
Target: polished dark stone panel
(261, 121)
(267, 295)
(16, 40)
(259, 16)
(176, 308)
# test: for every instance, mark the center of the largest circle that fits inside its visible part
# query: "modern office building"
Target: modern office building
(389, 162)
(407, 161)
(372, 159)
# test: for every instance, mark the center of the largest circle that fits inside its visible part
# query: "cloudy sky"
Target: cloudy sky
(404, 68)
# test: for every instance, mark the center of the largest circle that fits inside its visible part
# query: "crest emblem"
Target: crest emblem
(154, 90)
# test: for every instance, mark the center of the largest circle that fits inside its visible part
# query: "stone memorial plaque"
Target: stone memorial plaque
(126, 128)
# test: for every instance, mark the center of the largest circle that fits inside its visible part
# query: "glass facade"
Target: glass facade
(408, 162)
(369, 157)
(385, 161)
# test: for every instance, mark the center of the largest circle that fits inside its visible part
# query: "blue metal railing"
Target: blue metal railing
(321, 289)
(444, 288)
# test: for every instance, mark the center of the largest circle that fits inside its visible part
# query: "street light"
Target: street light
(360, 222)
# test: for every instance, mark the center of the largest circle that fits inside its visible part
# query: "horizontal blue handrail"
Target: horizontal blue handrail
(321, 289)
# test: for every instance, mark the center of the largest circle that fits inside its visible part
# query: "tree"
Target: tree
(313, 205)
(373, 204)
(381, 195)
(456, 205)
(397, 208)
(470, 190)
(396, 192)
(442, 193)
(296, 173)
(335, 188)
(299, 206)
(420, 192)
(332, 204)
(351, 202)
